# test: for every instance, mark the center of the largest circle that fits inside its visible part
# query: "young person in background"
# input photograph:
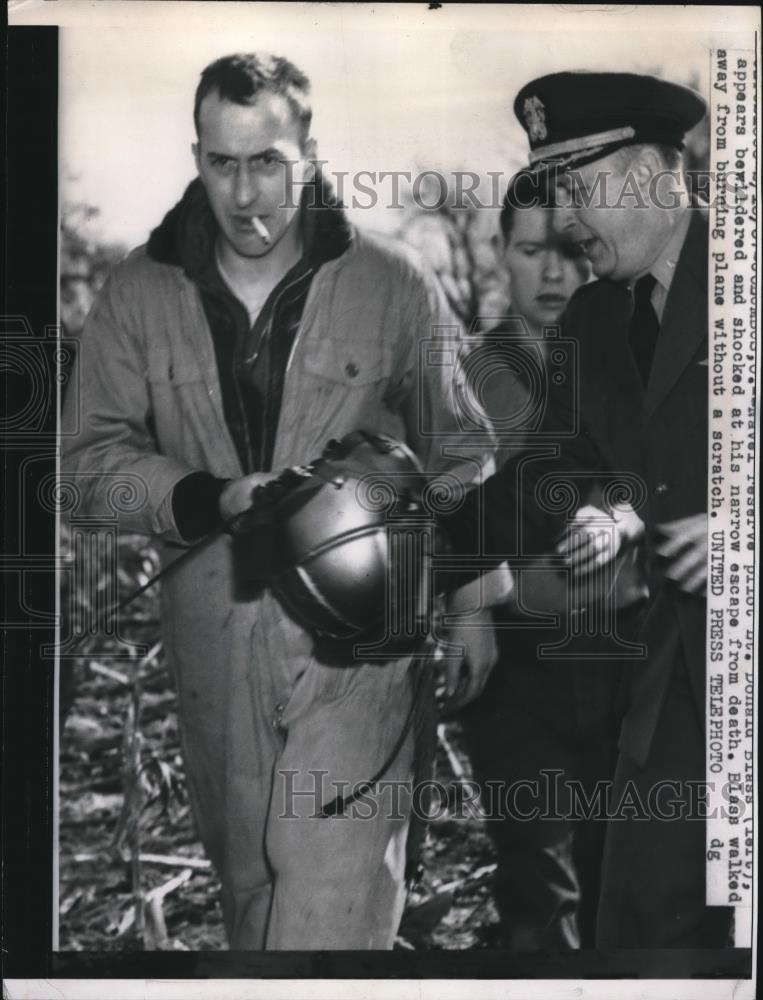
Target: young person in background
(536, 714)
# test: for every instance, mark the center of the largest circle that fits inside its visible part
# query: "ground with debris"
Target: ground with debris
(132, 872)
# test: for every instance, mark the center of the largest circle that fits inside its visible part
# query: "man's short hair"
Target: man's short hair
(670, 155)
(527, 189)
(243, 77)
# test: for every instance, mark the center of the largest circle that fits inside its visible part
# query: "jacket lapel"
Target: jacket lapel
(684, 322)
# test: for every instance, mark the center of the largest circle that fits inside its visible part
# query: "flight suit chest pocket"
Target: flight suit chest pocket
(349, 362)
(178, 397)
(168, 371)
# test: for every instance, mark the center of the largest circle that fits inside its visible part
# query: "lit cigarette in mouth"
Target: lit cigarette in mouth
(262, 230)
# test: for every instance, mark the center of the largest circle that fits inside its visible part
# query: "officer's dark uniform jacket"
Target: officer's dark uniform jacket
(658, 433)
(661, 434)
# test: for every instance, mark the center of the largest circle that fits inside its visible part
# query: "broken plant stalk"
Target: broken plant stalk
(134, 738)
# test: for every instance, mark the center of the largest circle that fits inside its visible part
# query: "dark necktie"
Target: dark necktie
(644, 326)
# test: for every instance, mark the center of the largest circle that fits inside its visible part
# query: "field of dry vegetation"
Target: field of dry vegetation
(133, 875)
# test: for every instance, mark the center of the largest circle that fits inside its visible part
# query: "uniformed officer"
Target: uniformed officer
(611, 144)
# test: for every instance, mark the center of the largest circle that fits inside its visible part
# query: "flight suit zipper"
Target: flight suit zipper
(251, 360)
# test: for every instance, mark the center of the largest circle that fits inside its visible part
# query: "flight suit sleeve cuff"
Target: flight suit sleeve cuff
(196, 505)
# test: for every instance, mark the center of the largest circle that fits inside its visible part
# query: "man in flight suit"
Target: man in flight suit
(256, 325)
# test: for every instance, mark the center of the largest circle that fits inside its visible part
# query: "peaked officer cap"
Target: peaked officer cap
(576, 117)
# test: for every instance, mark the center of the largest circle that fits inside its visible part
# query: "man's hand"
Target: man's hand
(465, 678)
(595, 537)
(684, 547)
(237, 495)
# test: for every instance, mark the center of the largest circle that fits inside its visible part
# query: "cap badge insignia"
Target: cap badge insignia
(535, 117)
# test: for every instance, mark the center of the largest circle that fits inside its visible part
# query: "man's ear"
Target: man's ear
(196, 155)
(647, 165)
